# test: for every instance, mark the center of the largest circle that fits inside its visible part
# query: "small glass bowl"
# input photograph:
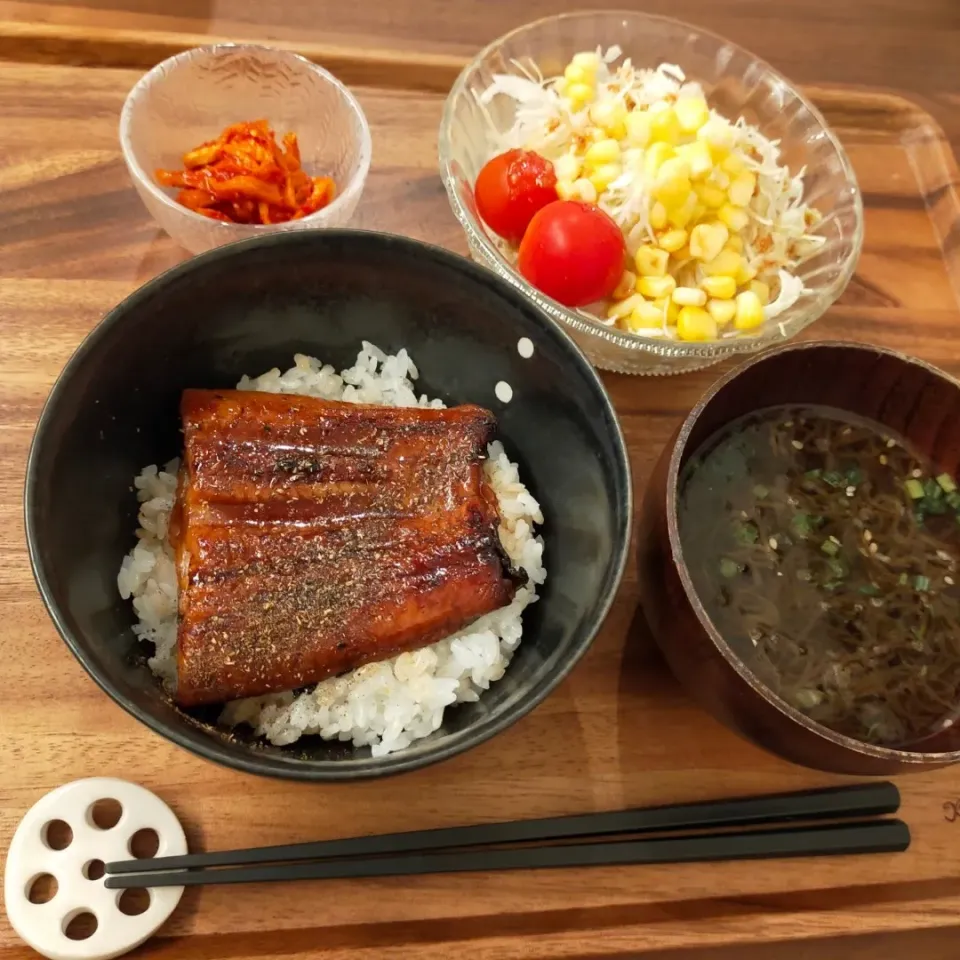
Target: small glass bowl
(192, 97)
(737, 84)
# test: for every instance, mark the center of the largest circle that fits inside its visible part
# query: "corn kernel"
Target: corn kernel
(624, 308)
(745, 273)
(566, 190)
(576, 74)
(658, 215)
(651, 262)
(625, 286)
(720, 287)
(712, 197)
(722, 311)
(637, 124)
(742, 187)
(567, 167)
(735, 243)
(736, 218)
(673, 182)
(719, 179)
(695, 323)
(718, 134)
(761, 290)
(585, 190)
(692, 113)
(707, 240)
(656, 287)
(603, 176)
(655, 156)
(672, 240)
(604, 152)
(664, 125)
(579, 94)
(644, 315)
(588, 60)
(697, 155)
(749, 313)
(681, 215)
(689, 297)
(699, 211)
(668, 310)
(725, 264)
(734, 164)
(683, 254)
(610, 115)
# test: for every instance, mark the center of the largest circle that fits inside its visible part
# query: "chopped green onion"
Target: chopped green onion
(729, 568)
(934, 506)
(760, 491)
(837, 567)
(953, 500)
(947, 483)
(903, 579)
(813, 474)
(931, 489)
(835, 478)
(745, 533)
(921, 583)
(854, 475)
(801, 524)
(830, 548)
(870, 590)
(914, 488)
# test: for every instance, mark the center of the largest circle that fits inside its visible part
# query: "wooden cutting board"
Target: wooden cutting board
(74, 240)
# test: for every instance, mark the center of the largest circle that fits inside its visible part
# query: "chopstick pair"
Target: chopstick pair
(595, 836)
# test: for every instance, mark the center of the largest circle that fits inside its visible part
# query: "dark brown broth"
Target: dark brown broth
(826, 573)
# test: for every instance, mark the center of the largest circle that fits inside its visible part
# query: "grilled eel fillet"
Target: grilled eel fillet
(312, 537)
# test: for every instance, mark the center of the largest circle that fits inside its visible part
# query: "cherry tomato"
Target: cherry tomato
(572, 252)
(511, 188)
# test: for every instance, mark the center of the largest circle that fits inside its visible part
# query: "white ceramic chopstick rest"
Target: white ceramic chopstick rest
(43, 925)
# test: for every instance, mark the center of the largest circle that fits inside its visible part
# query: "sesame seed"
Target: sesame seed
(891, 443)
(867, 535)
(797, 445)
(851, 490)
(773, 543)
(948, 581)
(943, 555)
(917, 474)
(873, 548)
(883, 459)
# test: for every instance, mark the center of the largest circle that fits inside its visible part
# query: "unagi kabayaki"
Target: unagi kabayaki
(312, 537)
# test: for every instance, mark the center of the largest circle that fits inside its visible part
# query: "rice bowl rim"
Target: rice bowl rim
(247, 758)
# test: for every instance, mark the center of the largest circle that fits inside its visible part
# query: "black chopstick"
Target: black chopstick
(832, 803)
(872, 836)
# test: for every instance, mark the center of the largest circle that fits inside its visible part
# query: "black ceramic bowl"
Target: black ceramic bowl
(248, 307)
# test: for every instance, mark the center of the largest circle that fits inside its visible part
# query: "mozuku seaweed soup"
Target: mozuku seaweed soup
(825, 552)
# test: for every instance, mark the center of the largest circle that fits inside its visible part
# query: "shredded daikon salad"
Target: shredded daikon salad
(715, 224)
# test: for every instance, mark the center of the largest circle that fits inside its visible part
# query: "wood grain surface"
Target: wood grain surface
(883, 43)
(74, 240)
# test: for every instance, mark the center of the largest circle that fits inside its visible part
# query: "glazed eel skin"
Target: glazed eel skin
(312, 537)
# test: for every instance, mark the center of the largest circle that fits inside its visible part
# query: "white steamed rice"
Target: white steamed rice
(385, 705)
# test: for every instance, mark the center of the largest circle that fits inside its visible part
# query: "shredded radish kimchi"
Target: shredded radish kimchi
(245, 176)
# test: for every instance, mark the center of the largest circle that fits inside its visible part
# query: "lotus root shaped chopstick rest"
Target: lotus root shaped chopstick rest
(53, 887)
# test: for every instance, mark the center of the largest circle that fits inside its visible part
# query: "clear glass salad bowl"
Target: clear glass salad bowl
(189, 98)
(737, 84)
